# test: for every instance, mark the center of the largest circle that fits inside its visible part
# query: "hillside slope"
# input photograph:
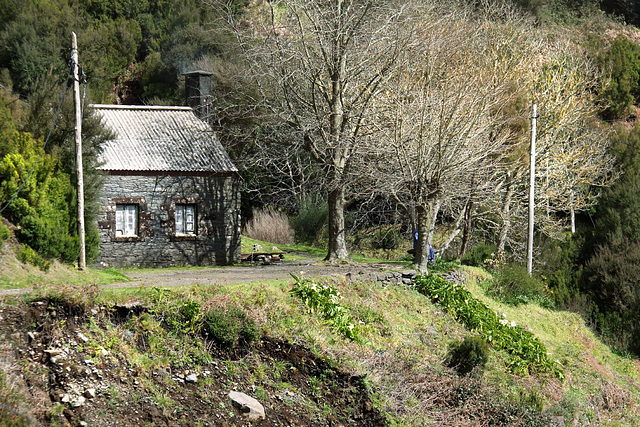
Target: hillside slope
(136, 348)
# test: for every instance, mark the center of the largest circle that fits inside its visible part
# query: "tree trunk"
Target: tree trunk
(573, 214)
(426, 219)
(433, 216)
(420, 258)
(466, 234)
(506, 214)
(337, 241)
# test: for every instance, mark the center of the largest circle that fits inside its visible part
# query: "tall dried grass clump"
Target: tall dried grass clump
(269, 225)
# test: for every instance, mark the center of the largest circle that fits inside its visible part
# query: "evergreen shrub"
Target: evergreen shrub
(513, 285)
(4, 233)
(28, 256)
(386, 238)
(467, 355)
(478, 254)
(622, 61)
(45, 205)
(230, 327)
(310, 219)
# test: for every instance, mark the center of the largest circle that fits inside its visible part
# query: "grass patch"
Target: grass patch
(57, 275)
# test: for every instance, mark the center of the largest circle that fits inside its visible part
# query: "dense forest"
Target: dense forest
(439, 92)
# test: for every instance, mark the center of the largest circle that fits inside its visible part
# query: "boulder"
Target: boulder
(250, 407)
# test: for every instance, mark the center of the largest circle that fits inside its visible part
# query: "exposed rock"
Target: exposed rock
(128, 335)
(90, 393)
(77, 401)
(250, 407)
(191, 378)
(82, 337)
(455, 276)
(53, 351)
(409, 274)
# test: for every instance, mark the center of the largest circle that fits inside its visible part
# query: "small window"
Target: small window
(185, 219)
(126, 220)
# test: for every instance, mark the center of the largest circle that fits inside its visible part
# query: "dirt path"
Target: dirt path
(239, 274)
(236, 274)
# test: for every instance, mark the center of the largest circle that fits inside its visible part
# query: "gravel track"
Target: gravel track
(221, 275)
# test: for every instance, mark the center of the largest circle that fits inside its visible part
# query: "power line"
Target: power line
(33, 167)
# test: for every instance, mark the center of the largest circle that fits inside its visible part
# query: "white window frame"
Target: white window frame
(186, 214)
(126, 220)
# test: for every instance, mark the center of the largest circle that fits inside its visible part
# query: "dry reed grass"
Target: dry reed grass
(269, 225)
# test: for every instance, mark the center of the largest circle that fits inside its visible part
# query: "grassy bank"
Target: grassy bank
(402, 345)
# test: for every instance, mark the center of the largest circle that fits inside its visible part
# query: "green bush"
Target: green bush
(622, 60)
(28, 256)
(467, 355)
(45, 206)
(230, 327)
(4, 233)
(386, 238)
(311, 218)
(513, 285)
(443, 265)
(324, 298)
(526, 353)
(476, 256)
(180, 314)
(562, 270)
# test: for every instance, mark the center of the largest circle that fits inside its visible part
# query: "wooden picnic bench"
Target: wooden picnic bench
(263, 257)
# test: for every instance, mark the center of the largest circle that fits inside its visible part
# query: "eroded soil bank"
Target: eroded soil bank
(69, 365)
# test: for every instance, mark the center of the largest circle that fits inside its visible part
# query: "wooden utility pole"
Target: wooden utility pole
(532, 187)
(82, 263)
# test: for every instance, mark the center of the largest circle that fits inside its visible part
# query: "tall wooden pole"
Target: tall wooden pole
(532, 184)
(82, 263)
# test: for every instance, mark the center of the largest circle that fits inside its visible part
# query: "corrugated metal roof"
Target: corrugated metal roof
(153, 138)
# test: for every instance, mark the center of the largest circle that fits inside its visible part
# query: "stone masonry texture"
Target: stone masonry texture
(217, 237)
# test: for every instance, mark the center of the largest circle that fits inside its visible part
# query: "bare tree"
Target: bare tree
(442, 120)
(319, 66)
(447, 118)
(573, 160)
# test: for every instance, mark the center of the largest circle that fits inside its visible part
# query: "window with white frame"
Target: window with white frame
(185, 219)
(126, 220)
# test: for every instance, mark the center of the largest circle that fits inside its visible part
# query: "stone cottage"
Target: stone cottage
(170, 194)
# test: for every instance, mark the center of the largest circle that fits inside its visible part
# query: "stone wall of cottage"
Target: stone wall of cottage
(217, 237)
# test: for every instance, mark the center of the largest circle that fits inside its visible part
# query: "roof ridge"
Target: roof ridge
(140, 107)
